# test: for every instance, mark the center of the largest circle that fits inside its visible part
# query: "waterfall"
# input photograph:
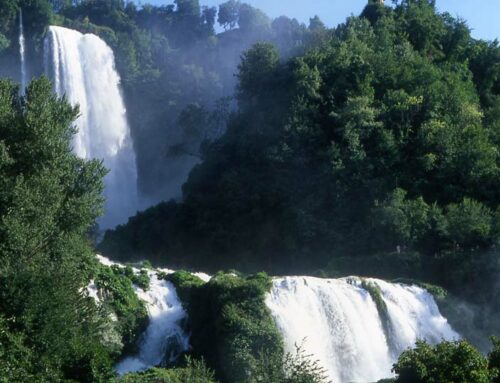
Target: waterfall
(82, 67)
(164, 338)
(338, 323)
(22, 52)
(355, 336)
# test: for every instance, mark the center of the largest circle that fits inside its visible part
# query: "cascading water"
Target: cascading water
(22, 52)
(164, 338)
(82, 67)
(338, 323)
(354, 336)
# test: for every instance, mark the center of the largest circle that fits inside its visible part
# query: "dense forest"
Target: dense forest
(373, 152)
(177, 72)
(372, 148)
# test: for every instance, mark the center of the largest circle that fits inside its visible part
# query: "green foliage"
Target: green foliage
(315, 24)
(49, 200)
(230, 324)
(194, 372)
(494, 360)
(37, 15)
(373, 141)
(15, 357)
(4, 43)
(255, 70)
(228, 14)
(294, 368)
(8, 11)
(141, 279)
(456, 362)
(185, 285)
(405, 221)
(376, 295)
(252, 19)
(115, 286)
(469, 223)
(437, 292)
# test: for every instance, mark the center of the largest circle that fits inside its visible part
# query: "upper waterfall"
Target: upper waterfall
(338, 323)
(22, 52)
(82, 67)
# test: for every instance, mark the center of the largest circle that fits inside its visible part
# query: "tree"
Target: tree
(424, 26)
(405, 222)
(49, 200)
(37, 14)
(8, 11)
(253, 20)
(228, 14)
(456, 362)
(208, 17)
(469, 224)
(316, 25)
(188, 8)
(256, 69)
(494, 360)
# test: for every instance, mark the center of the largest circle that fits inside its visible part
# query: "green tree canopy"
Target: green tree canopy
(49, 200)
(457, 362)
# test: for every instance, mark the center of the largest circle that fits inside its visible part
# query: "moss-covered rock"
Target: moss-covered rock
(437, 292)
(376, 295)
(126, 311)
(231, 327)
(185, 284)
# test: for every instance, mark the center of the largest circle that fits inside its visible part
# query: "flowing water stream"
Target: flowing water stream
(338, 323)
(82, 67)
(22, 52)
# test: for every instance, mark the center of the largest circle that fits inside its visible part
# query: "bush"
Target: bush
(294, 368)
(116, 288)
(456, 362)
(469, 224)
(230, 324)
(494, 360)
(437, 292)
(185, 283)
(193, 372)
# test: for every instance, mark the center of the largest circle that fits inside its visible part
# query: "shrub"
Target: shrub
(119, 297)
(230, 324)
(456, 362)
(185, 283)
(294, 368)
(193, 372)
(494, 360)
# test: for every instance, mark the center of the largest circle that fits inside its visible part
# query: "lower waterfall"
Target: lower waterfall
(338, 323)
(164, 338)
(355, 328)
